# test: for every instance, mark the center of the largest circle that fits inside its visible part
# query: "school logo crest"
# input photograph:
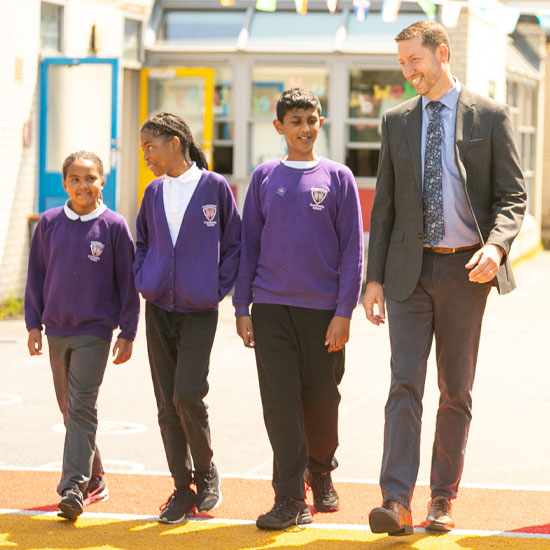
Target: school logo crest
(96, 248)
(318, 194)
(209, 211)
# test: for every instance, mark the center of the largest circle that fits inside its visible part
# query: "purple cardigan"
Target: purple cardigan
(80, 276)
(302, 239)
(196, 273)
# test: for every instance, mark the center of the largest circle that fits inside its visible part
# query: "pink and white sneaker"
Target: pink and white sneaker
(96, 491)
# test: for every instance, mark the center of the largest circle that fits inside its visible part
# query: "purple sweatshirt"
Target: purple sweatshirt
(196, 273)
(302, 239)
(80, 276)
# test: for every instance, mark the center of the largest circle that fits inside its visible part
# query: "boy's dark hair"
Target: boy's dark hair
(85, 155)
(432, 34)
(169, 125)
(296, 98)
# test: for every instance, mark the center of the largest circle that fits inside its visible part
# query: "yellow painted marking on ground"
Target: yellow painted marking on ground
(42, 532)
(4, 543)
(145, 526)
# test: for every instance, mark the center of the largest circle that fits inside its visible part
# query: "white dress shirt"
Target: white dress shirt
(177, 193)
(460, 227)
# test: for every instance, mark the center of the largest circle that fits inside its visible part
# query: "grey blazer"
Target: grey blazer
(488, 164)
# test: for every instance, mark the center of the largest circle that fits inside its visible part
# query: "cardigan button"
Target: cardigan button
(420, 235)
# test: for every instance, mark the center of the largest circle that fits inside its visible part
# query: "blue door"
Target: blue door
(78, 110)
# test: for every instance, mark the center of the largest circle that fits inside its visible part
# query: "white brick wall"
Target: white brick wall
(19, 39)
(19, 103)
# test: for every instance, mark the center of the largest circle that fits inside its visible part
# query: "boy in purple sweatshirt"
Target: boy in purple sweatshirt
(80, 287)
(301, 267)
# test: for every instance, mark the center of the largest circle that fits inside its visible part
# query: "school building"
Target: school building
(83, 74)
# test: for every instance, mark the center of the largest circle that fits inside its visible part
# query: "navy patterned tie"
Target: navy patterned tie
(432, 193)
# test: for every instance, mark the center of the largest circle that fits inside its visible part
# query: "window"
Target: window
(522, 99)
(132, 40)
(223, 120)
(370, 94)
(201, 27)
(290, 31)
(51, 18)
(267, 85)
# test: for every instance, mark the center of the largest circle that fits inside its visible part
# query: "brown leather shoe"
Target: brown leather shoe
(439, 515)
(393, 518)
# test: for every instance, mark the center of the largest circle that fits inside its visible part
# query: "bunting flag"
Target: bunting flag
(449, 14)
(266, 5)
(390, 10)
(227, 2)
(428, 7)
(361, 8)
(332, 5)
(301, 6)
(544, 20)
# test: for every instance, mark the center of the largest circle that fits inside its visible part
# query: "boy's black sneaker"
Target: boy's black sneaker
(209, 495)
(71, 503)
(286, 512)
(325, 497)
(96, 491)
(176, 508)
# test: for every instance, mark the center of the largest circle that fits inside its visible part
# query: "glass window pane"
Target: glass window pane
(223, 92)
(266, 144)
(223, 131)
(375, 35)
(50, 27)
(79, 93)
(223, 159)
(183, 96)
(289, 30)
(363, 162)
(269, 82)
(203, 26)
(373, 92)
(365, 132)
(132, 40)
(530, 187)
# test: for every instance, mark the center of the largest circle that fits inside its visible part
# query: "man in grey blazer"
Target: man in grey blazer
(449, 201)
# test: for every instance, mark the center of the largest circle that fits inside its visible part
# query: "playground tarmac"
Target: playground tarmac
(504, 501)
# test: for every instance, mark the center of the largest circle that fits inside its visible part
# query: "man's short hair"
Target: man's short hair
(296, 98)
(432, 34)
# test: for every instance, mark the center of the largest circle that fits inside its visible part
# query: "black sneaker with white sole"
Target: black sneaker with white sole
(176, 508)
(325, 497)
(286, 512)
(209, 495)
(71, 503)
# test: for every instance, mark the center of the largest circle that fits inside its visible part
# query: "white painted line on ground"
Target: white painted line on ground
(328, 526)
(260, 466)
(111, 427)
(9, 399)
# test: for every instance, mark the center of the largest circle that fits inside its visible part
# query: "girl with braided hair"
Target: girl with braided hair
(188, 243)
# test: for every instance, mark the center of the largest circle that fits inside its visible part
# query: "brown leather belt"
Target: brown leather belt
(443, 250)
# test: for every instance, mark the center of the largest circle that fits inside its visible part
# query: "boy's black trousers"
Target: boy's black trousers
(299, 388)
(179, 346)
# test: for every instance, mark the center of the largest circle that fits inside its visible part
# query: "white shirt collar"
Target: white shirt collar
(302, 164)
(72, 215)
(193, 174)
